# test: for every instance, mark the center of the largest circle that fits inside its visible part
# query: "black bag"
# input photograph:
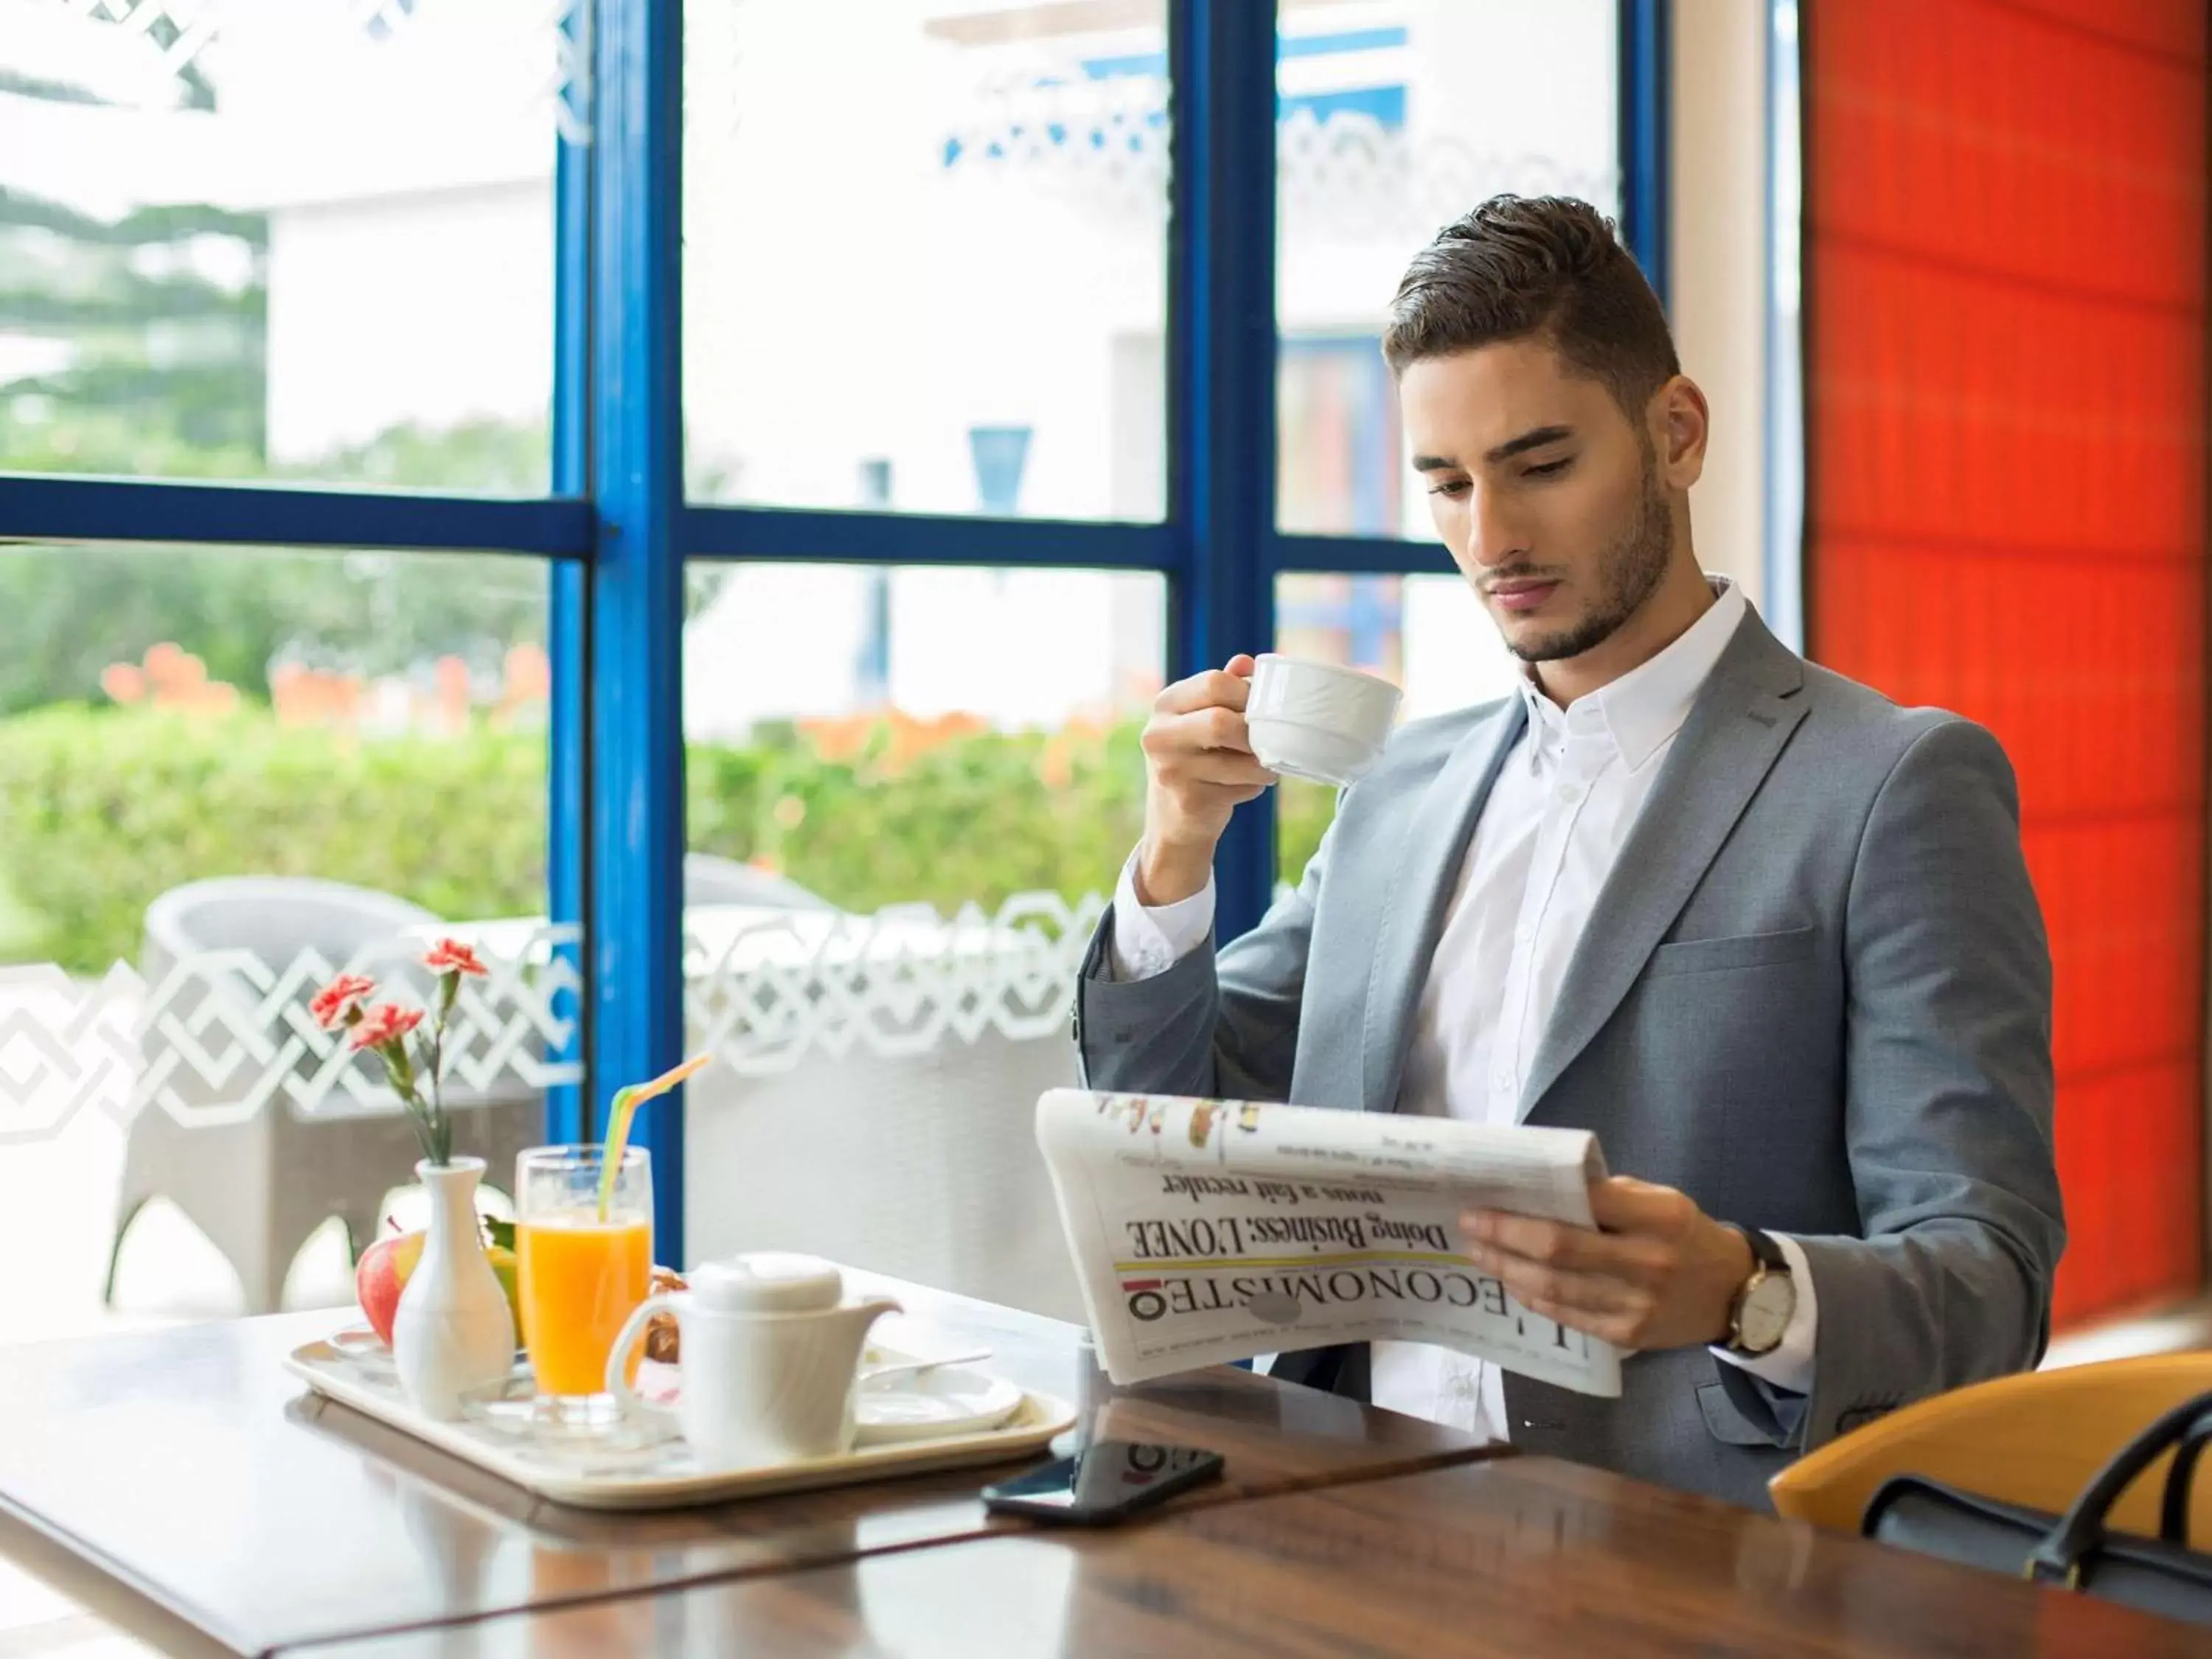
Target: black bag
(2073, 1550)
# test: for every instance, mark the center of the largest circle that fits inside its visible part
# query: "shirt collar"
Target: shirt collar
(1645, 707)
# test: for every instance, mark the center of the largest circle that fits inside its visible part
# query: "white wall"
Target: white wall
(1720, 246)
(434, 306)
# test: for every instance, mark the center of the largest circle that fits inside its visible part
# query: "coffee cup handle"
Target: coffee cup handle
(633, 1330)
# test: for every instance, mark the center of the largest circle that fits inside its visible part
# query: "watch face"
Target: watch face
(1766, 1314)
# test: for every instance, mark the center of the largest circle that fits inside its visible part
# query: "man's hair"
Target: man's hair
(1548, 266)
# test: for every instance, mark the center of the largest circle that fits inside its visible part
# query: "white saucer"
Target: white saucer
(948, 1401)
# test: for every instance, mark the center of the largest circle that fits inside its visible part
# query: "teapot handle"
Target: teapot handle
(632, 1402)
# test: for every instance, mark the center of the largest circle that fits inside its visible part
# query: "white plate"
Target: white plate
(952, 1399)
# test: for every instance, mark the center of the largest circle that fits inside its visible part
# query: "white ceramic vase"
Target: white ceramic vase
(453, 1330)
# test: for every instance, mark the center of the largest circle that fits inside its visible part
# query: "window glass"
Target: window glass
(280, 238)
(225, 773)
(1398, 116)
(925, 258)
(911, 791)
(890, 735)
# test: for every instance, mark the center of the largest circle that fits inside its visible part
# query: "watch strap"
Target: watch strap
(1764, 1249)
(1767, 1261)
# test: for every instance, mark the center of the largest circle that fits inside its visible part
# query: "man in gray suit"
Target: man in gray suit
(1766, 934)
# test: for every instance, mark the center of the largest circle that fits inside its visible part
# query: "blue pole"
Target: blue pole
(568, 639)
(1221, 376)
(637, 865)
(1646, 77)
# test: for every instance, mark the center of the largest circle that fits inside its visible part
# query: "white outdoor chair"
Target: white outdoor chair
(259, 1185)
(709, 878)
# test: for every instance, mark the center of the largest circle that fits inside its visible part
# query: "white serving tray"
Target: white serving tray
(661, 1473)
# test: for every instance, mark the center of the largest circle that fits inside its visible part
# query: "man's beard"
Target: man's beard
(1630, 574)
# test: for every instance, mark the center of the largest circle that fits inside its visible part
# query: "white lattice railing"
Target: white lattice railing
(1345, 174)
(763, 994)
(1351, 174)
(222, 1035)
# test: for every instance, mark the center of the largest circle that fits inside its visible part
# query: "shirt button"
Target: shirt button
(1523, 933)
(1502, 1077)
(1568, 794)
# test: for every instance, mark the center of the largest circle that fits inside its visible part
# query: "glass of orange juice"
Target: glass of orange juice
(579, 1273)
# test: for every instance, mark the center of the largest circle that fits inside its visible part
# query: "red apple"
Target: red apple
(382, 1274)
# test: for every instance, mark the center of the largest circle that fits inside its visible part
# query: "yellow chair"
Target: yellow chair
(2034, 1439)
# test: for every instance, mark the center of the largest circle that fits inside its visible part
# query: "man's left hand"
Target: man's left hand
(1659, 1272)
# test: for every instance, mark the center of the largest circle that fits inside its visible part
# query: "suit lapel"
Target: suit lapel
(1737, 728)
(1420, 882)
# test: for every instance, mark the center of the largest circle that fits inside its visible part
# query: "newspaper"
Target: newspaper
(1206, 1230)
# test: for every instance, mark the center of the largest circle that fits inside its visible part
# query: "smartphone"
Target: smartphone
(1107, 1480)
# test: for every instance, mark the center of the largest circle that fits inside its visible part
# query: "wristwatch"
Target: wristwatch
(1765, 1302)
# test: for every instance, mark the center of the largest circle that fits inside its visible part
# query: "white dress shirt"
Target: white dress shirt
(1564, 801)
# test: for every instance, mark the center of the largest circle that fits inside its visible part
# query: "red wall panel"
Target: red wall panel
(2005, 394)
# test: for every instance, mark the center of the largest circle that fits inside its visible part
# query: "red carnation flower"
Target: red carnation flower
(449, 956)
(387, 1022)
(338, 999)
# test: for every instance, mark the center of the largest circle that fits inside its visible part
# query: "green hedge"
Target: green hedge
(103, 809)
(974, 819)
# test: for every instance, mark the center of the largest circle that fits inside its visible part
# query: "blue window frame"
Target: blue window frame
(616, 530)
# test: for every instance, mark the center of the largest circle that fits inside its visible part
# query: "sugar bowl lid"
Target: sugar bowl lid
(767, 1281)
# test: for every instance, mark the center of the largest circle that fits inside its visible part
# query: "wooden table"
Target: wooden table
(1518, 1556)
(191, 1490)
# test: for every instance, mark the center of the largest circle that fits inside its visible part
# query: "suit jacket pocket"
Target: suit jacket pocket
(1700, 955)
(1725, 1421)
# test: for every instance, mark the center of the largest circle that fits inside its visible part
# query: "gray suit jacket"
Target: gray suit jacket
(1814, 994)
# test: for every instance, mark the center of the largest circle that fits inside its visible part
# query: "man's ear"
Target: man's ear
(1678, 419)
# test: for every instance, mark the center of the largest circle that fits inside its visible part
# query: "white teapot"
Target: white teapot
(771, 1351)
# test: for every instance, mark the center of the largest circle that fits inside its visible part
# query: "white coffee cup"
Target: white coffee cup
(1316, 720)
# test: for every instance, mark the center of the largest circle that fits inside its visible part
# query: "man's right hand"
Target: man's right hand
(1199, 769)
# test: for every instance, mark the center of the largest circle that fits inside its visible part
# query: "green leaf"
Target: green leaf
(499, 1234)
